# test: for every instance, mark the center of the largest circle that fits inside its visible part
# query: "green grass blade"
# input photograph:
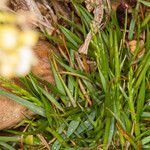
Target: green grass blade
(29, 105)
(52, 99)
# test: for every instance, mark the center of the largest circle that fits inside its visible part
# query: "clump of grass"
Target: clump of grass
(98, 101)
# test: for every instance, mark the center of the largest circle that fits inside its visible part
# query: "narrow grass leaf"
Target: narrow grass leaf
(71, 37)
(131, 29)
(145, 115)
(52, 99)
(146, 20)
(57, 80)
(48, 109)
(72, 127)
(146, 3)
(29, 105)
(141, 99)
(72, 100)
(145, 140)
(9, 138)
(56, 135)
(7, 146)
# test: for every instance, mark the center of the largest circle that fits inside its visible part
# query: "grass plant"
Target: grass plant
(99, 101)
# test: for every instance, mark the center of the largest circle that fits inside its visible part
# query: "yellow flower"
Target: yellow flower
(7, 64)
(16, 55)
(8, 37)
(26, 60)
(28, 38)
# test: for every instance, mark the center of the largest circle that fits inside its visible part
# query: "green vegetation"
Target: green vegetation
(101, 100)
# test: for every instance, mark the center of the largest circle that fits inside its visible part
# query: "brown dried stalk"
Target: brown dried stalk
(96, 23)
